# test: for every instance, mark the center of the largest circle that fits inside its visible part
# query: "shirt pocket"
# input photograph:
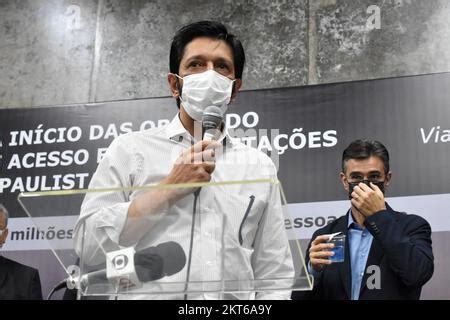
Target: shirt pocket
(242, 215)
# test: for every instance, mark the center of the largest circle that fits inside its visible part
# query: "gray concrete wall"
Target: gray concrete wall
(56, 52)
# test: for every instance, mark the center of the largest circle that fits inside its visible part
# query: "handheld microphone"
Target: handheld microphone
(128, 269)
(211, 120)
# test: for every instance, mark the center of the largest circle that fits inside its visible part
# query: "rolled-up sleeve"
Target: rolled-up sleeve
(104, 212)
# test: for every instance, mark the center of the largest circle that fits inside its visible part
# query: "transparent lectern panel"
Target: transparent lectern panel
(54, 215)
(212, 240)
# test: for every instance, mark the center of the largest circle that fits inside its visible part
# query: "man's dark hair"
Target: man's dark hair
(210, 29)
(363, 149)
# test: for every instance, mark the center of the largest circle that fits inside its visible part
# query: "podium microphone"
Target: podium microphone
(124, 267)
(127, 268)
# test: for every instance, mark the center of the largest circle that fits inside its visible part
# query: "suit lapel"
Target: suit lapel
(345, 267)
(376, 253)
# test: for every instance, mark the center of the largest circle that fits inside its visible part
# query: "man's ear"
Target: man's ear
(387, 182)
(344, 181)
(173, 85)
(236, 86)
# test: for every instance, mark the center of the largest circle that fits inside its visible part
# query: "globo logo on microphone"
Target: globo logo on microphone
(119, 262)
(120, 269)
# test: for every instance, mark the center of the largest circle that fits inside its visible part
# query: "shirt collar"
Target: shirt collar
(177, 132)
(175, 129)
(351, 223)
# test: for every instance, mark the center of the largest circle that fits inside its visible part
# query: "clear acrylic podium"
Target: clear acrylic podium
(227, 243)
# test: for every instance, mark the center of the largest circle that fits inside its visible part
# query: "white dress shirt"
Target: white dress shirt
(228, 243)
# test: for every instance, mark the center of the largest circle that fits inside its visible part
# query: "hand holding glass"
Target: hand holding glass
(338, 249)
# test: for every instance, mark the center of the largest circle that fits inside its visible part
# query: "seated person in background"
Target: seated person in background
(17, 281)
(388, 254)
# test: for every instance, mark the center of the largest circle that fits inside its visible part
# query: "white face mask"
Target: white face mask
(201, 90)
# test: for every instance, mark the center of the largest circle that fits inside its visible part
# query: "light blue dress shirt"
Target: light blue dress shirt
(359, 242)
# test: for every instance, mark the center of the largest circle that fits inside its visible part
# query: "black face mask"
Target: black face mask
(352, 185)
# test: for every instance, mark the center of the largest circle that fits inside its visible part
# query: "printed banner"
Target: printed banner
(303, 130)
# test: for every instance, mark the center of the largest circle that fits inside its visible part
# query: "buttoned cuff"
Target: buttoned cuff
(313, 272)
(376, 222)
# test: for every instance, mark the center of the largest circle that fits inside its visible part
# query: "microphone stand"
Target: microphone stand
(58, 287)
(191, 241)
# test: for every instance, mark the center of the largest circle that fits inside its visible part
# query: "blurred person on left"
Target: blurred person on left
(17, 281)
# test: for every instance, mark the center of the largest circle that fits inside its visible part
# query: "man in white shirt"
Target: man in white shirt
(239, 232)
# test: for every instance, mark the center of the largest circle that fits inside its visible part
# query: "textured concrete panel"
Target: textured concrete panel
(46, 51)
(413, 39)
(48, 57)
(136, 37)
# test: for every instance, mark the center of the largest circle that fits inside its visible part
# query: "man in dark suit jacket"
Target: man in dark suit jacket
(17, 281)
(388, 254)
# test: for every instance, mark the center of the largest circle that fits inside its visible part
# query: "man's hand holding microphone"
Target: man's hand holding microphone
(196, 164)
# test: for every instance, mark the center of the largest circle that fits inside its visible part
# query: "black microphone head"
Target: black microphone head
(173, 256)
(148, 265)
(154, 263)
(212, 118)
